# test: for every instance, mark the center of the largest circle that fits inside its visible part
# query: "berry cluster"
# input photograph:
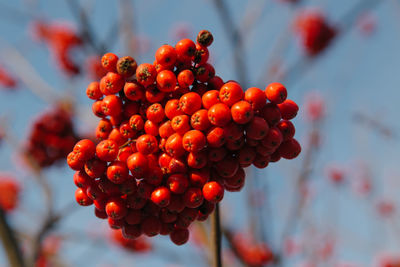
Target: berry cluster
(314, 31)
(6, 79)
(60, 39)
(140, 244)
(51, 138)
(250, 252)
(9, 192)
(174, 137)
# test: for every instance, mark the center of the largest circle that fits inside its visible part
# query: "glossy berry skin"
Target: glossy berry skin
(112, 83)
(177, 183)
(257, 129)
(179, 236)
(111, 105)
(216, 137)
(287, 129)
(213, 192)
(185, 78)
(109, 62)
(174, 146)
(256, 97)
(146, 144)
(166, 81)
(138, 164)
(116, 208)
(193, 197)
(166, 55)
(242, 112)
(185, 49)
(276, 93)
(210, 98)
(117, 172)
(134, 91)
(288, 109)
(219, 114)
(180, 124)
(161, 196)
(155, 113)
(189, 103)
(230, 93)
(271, 113)
(199, 120)
(86, 149)
(82, 198)
(193, 141)
(273, 139)
(289, 149)
(93, 91)
(107, 150)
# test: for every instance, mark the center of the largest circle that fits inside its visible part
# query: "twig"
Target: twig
(87, 32)
(374, 124)
(235, 40)
(10, 243)
(216, 237)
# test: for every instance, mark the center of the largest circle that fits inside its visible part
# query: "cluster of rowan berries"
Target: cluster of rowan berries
(315, 32)
(138, 245)
(250, 252)
(60, 39)
(9, 192)
(51, 138)
(174, 138)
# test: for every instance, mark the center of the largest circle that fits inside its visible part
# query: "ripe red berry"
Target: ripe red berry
(146, 74)
(193, 141)
(138, 164)
(189, 103)
(107, 150)
(179, 236)
(219, 114)
(166, 55)
(213, 192)
(161, 196)
(166, 81)
(288, 109)
(256, 97)
(109, 62)
(230, 93)
(82, 198)
(242, 112)
(276, 93)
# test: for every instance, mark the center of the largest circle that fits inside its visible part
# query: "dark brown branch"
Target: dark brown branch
(216, 237)
(10, 243)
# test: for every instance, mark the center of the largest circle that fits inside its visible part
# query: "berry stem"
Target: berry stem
(216, 237)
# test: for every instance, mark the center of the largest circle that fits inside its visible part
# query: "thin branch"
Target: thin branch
(10, 243)
(216, 237)
(235, 40)
(87, 32)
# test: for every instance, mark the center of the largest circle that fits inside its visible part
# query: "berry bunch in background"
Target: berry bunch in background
(173, 137)
(51, 138)
(6, 79)
(314, 31)
(9, 192)
(60, 39)
(138, 245)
